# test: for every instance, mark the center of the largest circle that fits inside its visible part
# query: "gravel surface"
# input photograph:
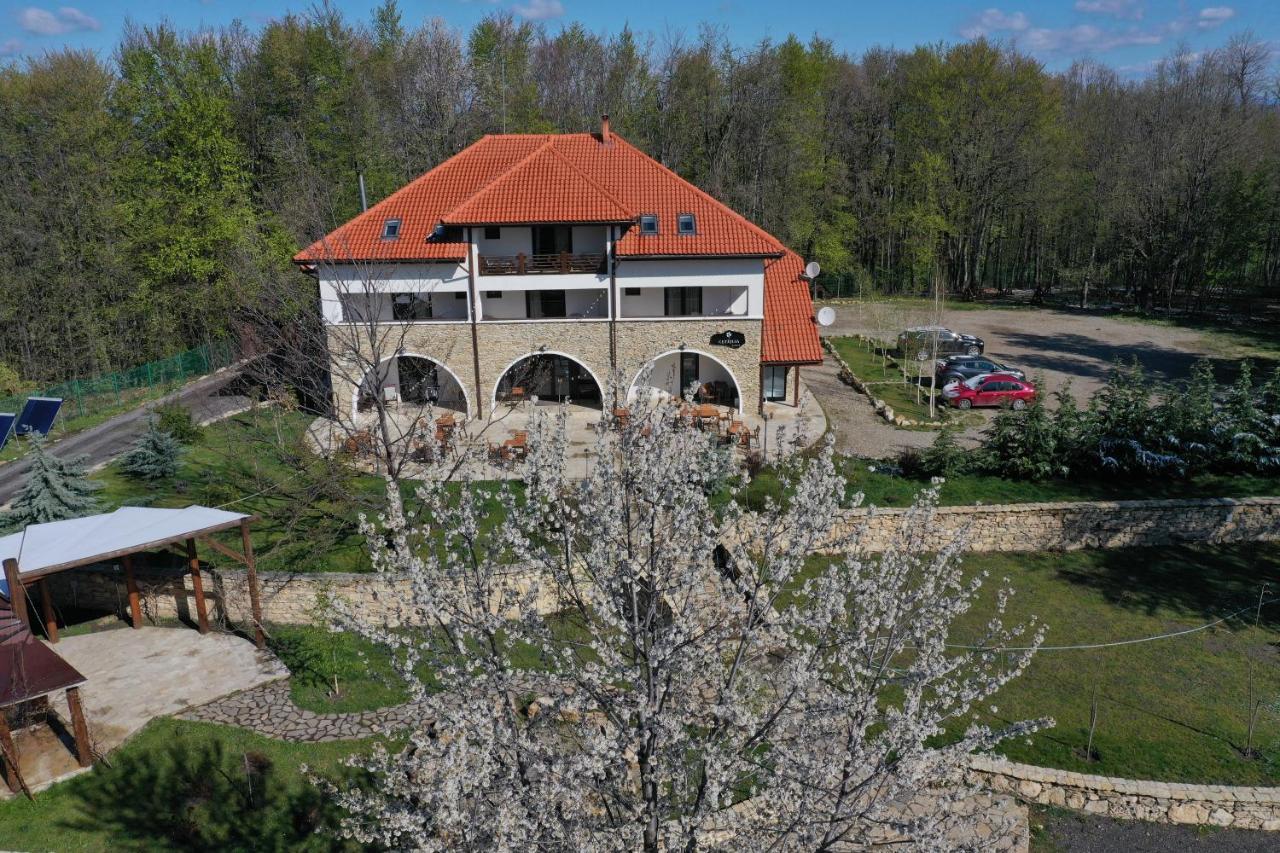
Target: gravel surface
(1060, 344)
(1067, 832)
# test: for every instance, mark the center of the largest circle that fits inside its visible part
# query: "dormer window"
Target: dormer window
(447, 233)
(648, 223)
(685, 224)
(391, 229)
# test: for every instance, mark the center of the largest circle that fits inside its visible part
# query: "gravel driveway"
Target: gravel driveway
(1060, 344)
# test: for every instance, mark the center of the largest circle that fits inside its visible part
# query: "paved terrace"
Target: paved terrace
(133, 677)
(778, 430)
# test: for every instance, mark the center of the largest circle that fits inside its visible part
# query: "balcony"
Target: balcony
(563, 263)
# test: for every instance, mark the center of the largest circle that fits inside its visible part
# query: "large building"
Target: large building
(546, 264)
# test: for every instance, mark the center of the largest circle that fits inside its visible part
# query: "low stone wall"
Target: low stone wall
(1131, 799)
(883, 409)
(287, 598)
(1072, 526)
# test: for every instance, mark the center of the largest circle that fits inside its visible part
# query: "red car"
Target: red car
(991, 389)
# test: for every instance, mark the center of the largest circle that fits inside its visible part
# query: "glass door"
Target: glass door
(775, 382)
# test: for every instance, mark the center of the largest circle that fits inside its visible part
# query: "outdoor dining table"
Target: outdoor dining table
(518, 444)
(707, 415)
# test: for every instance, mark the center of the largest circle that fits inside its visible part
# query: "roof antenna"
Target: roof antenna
(364, 199)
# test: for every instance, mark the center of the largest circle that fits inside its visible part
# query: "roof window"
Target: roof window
(685, 224)
(391, 229)
(648, 223)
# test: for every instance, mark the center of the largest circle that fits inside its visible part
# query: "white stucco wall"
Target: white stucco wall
(651, 301)
(348, 280)
(744, 273)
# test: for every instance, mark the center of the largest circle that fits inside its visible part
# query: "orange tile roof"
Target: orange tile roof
(544, 187)
(526, 178)
(790, 334)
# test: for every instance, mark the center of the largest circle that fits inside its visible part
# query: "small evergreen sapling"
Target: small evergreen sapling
(56, 489)
(154, 456)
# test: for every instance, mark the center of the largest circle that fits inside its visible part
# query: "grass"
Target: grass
(258, 462)
(186, 785)
(876, 367)
(1173, 709)
(336, 673)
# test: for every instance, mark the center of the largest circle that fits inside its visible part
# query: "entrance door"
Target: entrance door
(775, 383)
(552, 239)
(689, 371)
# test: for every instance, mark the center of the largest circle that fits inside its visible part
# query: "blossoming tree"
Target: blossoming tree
(630, 662)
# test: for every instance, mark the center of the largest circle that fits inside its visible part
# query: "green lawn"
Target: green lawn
(258, 462)
(875, 366)
(1173, 709)
(181, 785)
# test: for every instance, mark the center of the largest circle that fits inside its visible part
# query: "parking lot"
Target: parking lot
(1059, 347)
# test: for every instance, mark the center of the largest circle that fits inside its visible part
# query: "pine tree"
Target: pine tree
(55, 489)
(154, 456)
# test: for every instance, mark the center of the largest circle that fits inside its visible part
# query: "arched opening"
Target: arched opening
(673, 373)
(412, 380)
(551, 377)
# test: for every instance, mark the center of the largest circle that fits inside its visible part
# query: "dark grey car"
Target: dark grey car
(921, 342)
(962, 367)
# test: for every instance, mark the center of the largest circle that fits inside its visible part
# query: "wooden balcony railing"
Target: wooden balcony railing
(523, 264)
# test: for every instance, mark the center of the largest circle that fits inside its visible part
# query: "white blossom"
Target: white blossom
(622, 662)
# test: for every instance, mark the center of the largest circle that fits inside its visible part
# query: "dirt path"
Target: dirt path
(205, 398)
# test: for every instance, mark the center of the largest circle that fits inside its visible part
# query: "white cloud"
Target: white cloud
(11, 47)
(539, 10)
(1116, 8)
(1214, 16)
(42, 22)
(995, 21)
(1091, 38)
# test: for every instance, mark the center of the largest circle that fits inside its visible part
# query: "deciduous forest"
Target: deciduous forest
(150, 198)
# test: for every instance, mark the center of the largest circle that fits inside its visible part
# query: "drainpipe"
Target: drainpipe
(474, 304)
(613, 309)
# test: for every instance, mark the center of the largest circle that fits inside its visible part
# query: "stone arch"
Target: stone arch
(552, 379)
(455, 387)
(653, 366)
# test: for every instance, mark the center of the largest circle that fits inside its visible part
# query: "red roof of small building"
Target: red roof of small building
(577, 177)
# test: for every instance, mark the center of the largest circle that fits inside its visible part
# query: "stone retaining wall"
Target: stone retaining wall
(1090, 524)
(1131, 799)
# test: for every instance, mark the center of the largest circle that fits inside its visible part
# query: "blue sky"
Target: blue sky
(1127, 34)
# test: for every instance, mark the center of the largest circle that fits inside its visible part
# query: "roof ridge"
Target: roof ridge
(546, 141)
(608, 195)
(760, 232)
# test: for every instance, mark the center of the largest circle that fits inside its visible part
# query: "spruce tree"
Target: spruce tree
(154, 456)
(56, 488)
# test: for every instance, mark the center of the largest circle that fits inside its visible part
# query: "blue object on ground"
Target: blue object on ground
(6, 427)
(37, 415)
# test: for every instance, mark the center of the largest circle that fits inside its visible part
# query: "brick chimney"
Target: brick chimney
(604, 129)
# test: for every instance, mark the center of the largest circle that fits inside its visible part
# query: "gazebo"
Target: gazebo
(29, 670)
(41, 550)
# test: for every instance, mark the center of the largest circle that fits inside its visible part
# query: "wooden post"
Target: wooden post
(520, 259)
(197, 585)
(254, 601)
(84, 749)
(46, 607)
(131, 583)
(17, 595)
(795, 391)
(12, 772)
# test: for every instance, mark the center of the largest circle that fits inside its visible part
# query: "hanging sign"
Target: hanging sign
(732, 340)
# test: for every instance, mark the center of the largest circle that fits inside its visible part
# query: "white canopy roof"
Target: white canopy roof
(79, 541)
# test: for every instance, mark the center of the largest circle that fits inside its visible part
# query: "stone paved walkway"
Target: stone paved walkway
(269, 710)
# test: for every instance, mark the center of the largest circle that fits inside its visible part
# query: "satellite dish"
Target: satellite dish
(826, 316)
(812, 269)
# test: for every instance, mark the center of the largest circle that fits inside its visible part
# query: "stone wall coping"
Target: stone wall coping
(1079, 506)
(1087, 782)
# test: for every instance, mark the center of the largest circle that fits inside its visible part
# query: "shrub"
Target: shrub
(944, 458)
(175, 419)
(154, 456)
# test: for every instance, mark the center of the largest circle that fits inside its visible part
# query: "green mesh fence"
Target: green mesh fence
(117, 391)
